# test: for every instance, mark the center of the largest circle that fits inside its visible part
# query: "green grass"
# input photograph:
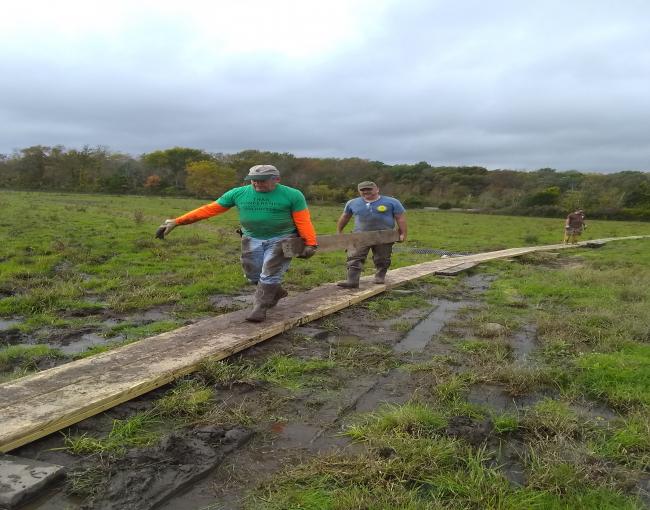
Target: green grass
(391, 304)
(628, 441)
(620, 378)
(26, 356)
(506, 422)
(135, 431)
(284, 371)
(186, 402)
(412, 418)
(487, 351)
(103, 247)
(550, 417)
(408, 464)
(189, 399)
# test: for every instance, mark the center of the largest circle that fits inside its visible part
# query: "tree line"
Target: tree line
(182, 171)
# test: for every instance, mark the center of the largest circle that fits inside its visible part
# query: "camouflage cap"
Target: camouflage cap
(262, 173)
(366, 185)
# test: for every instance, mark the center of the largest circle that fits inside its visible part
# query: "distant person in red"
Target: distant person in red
(573, 227)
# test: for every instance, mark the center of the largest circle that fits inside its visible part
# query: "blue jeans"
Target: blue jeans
(263, 260)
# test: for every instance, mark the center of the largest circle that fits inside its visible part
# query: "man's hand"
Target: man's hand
(402, 238)
(165, 229)
(307, 252)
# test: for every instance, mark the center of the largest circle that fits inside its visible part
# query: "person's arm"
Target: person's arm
(305, 227)
(201, 213)
(342, 222)
(401, 226)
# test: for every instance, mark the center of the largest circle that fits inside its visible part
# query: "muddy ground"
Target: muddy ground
(215, 466)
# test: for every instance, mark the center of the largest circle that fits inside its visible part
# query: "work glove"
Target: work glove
(165, 229)
(308, 251)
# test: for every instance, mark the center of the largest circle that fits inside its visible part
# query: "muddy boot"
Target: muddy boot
(380, 277)
(279, 294)
(264, 296)
(353, 279)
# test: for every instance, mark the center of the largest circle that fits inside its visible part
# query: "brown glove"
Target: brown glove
(307, 252)
(165, 229)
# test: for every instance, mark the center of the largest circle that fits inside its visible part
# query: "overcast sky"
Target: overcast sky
(501, 84)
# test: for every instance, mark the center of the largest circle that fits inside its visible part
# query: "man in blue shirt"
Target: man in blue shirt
(371, 211)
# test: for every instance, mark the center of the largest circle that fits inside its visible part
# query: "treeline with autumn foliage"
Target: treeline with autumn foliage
(194, 172)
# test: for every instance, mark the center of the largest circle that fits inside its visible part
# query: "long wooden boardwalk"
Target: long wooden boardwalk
(37, 405)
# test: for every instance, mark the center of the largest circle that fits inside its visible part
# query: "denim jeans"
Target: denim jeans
(263, 260)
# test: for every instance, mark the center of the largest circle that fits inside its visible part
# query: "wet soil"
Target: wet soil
(215, 463)
(286, 426)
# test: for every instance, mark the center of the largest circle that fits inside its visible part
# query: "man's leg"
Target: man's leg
(269, 289)
(252, 258)
(381, 257)
(355, 261)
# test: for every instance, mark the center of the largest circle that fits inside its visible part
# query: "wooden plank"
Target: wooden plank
(37, 405)
(454, 270)
(594, 244)
(294, 246)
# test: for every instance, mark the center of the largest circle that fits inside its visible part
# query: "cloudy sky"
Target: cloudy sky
(500, 83)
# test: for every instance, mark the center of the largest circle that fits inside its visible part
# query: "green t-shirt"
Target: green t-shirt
(265, 215)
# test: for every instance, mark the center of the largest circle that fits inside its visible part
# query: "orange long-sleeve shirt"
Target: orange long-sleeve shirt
(302, 220)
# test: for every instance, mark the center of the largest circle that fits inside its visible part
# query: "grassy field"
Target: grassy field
(580, 429)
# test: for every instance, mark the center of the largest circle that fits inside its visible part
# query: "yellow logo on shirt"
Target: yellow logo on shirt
(382, 208)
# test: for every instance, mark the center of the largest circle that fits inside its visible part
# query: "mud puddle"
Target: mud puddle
(84, 342)
(6, 324)
(524, 343)
(419, 337)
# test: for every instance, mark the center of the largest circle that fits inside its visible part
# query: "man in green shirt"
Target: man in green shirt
(269, 213)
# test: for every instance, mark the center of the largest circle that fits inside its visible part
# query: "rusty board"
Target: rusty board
(294, 246)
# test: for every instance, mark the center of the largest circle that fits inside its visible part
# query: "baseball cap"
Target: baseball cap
(262, 173)
(366, 184)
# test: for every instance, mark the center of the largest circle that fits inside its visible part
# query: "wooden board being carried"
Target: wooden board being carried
(294, 246)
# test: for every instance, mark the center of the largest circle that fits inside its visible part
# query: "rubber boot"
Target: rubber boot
(353, 279)
(279, 294)
(380, 276)
(264, 296)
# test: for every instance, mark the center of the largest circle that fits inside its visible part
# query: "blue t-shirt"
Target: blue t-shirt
(377, 215)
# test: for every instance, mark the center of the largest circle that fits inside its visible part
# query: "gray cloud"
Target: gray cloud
(501, 84)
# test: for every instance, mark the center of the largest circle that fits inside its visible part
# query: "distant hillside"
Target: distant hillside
(194, 172)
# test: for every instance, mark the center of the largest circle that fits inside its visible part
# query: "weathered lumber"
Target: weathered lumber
(37, 405)
(594, 244)
(294, 246)
(454, 270)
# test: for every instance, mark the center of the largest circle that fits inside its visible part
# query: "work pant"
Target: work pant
(263, 260)
(381, 254)
(572, 234)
